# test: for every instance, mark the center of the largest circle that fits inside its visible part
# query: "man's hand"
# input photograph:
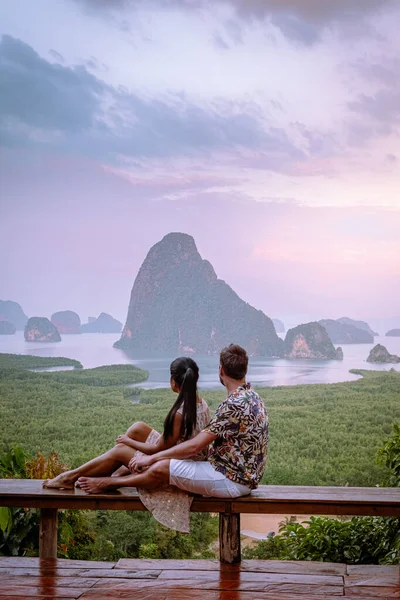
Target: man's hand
(140, 463)
(123, 439)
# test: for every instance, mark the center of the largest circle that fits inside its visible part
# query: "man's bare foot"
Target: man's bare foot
(92, 485)
(63, 481)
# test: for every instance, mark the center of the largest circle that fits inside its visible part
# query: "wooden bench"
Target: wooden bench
(269, 499)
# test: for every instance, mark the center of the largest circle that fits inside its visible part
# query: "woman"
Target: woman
(187, 417)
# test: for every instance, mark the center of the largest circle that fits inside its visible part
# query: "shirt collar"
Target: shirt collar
(241, 388)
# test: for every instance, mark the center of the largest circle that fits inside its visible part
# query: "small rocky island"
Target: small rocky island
(343, 333)
(7, 328)
(12, 312)
(66, 321)
(40, 329)
(103, 324)
(379, 354)
(310, 340)
(393, 333)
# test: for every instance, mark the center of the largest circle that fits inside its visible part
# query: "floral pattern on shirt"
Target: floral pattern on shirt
(241, 426)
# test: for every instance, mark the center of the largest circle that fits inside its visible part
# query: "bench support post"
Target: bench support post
(229, 538)
(48, 533)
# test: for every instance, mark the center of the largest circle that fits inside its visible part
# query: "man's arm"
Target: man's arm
(180, 451)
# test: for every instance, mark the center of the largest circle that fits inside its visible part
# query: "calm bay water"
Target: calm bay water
(95, 350)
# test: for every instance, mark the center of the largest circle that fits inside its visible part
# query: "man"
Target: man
(237, 436)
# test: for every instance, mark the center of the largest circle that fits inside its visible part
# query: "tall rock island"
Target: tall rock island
(178, 305)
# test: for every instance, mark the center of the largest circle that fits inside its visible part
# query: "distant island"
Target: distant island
(393, 333)
(66, 321)
(7, 328)
(12, 312)
(379, 354)
(103, 324)
(179, 305)
(342, 333)
(279, 326)
(40, 329)
(358, 324)
(310, 340)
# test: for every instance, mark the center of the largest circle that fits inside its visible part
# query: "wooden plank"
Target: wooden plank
(199, 595)
(48, 581)
(229, 538)
(371, 570)
(48, 530)
(287, 566)
(378, 593)
(381, 586)
(266, 499)
(27, 597)
(139, 595)
(164, 563)
(76, 573)
(316, 507)
(206, 584)
(266, 566)
(11, 591)
(240, 576)
(62, 563)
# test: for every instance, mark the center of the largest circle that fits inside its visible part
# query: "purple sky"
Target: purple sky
(267, 129)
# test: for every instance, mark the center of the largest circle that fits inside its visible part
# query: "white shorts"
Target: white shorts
(200, 477)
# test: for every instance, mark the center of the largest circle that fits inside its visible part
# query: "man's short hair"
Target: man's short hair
(234, 361)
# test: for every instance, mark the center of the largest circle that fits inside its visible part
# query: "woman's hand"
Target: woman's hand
(137, 464)
(123, 439)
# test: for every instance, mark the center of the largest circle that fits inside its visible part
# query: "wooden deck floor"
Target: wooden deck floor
(26, 578)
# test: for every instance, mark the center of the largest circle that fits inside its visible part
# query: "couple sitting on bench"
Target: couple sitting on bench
(223, 457)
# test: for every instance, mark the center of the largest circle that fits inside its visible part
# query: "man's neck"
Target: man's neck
(233, 384)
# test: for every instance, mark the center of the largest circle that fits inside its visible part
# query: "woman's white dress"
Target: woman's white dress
(170, 505)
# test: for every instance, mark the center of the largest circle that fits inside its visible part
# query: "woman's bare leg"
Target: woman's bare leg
(140, 432)
(104, 465)
(155, 476)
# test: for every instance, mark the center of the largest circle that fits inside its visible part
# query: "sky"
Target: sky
(267, 129)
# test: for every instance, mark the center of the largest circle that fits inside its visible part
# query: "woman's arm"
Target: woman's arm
(161, 444)
(180, 451)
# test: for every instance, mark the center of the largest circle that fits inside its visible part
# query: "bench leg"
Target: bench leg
(48, 533)
(229, 538)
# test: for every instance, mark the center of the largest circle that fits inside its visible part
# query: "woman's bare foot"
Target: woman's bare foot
(63, 481)
(92, 485)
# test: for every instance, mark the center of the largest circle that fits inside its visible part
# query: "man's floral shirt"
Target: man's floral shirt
(241, 426)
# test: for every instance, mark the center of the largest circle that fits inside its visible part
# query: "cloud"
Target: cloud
(299, 20)
(57, 56)
(70, 110)
(219, 42)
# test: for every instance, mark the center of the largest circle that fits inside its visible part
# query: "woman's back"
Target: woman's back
(202, 416)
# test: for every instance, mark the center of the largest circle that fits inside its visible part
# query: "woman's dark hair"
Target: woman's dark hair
(185, 373)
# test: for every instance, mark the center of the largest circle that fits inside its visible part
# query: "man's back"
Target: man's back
(241, 426)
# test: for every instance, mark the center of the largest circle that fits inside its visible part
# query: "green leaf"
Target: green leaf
(5, 518)
(19, 455)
